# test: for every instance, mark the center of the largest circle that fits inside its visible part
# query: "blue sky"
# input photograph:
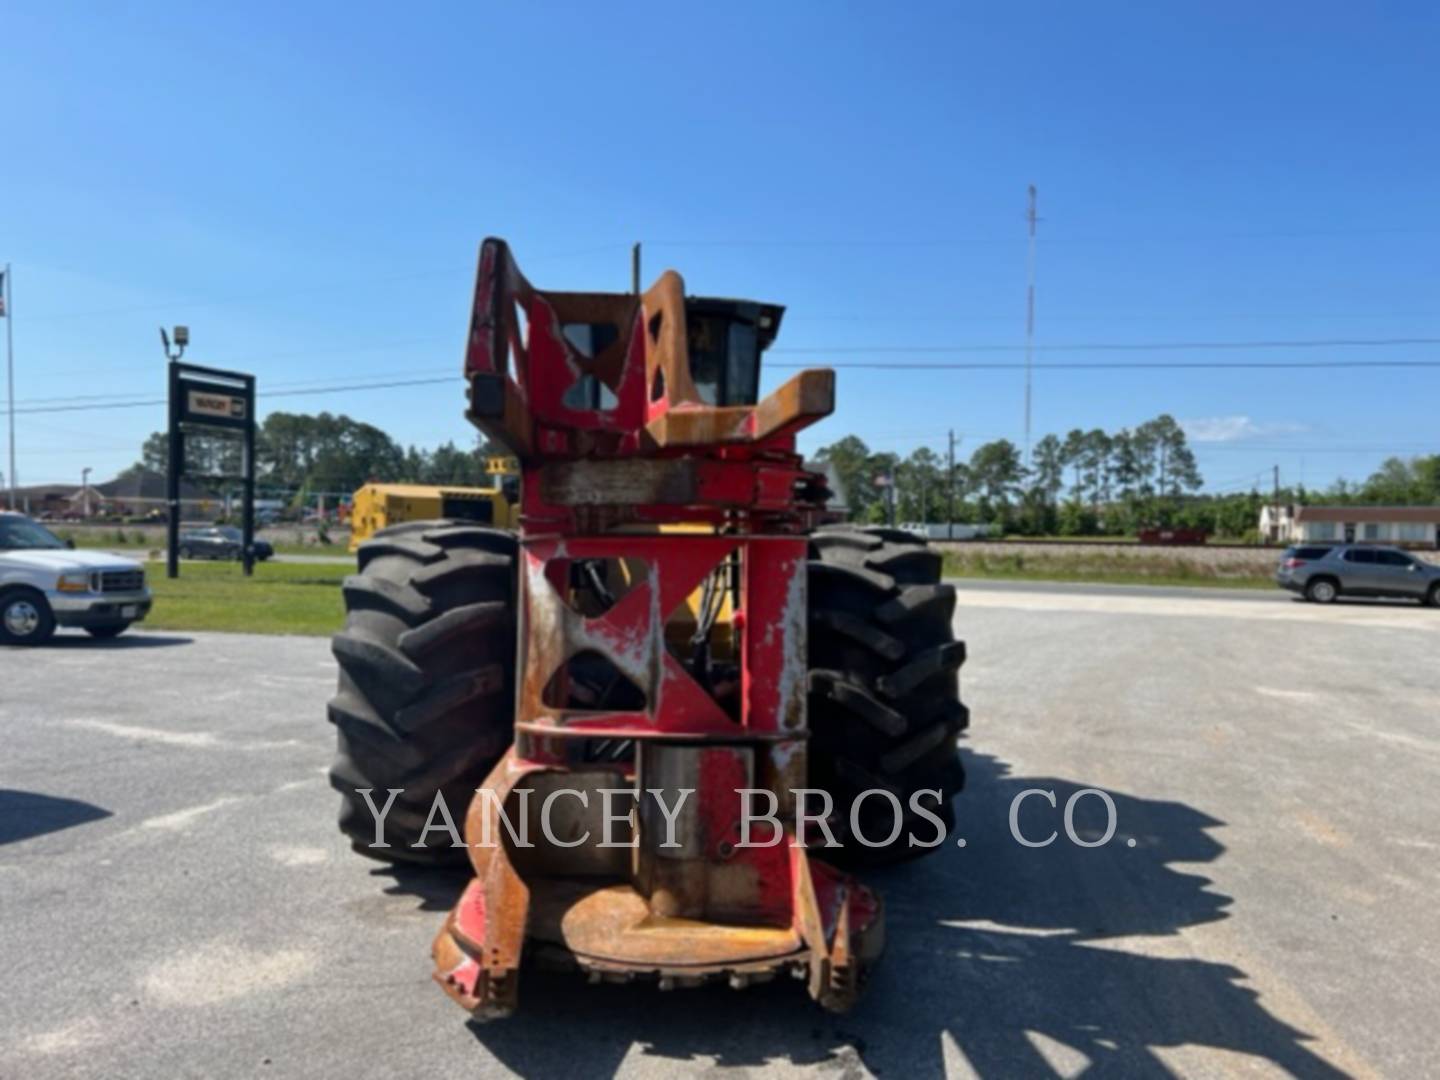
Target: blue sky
(305, 186)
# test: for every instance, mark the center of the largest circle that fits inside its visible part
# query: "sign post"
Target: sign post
(209, 398)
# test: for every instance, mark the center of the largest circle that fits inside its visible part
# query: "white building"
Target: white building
(1406, 526)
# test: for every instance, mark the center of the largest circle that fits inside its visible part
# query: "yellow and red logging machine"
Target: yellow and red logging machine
(669, 620)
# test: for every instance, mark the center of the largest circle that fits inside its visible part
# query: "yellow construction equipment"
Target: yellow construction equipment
(379, 506)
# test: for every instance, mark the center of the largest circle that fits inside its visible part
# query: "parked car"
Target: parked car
(219, 542)
(44, 583)
(1322, 572)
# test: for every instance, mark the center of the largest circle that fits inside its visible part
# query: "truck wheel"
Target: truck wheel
(426, 695)
(884, 698)
(25, 618)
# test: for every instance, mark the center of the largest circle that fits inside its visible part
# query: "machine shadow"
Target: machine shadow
(989, 946)
(26, 814)
(434, 888)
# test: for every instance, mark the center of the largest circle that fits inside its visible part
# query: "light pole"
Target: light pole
(174, 450)
(181, 338)
(85, 491)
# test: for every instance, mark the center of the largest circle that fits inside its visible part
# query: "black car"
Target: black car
(219, 542)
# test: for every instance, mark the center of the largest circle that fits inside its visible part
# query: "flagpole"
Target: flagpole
(10, 376)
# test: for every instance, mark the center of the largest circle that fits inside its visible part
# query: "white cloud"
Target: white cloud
(1235, 428)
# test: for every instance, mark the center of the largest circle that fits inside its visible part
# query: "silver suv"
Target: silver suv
(1321, 572)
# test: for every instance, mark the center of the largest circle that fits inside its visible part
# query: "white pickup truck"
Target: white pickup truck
(44, 583)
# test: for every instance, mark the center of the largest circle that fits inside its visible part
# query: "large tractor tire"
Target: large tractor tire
(884, 697)
(426, 695)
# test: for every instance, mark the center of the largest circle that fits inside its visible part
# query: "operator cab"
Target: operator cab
(725, 339)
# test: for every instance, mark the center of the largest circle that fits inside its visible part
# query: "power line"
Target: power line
(1418, 446)
(983, 240)
(794, 315)
(1410, 448)
(286, 383)
(1247, 478)
(240, 298)
(359, 288)
(1122, 346)
(334, 389)
(252, 359)
(1120, 365)
(1230, 487)
(78, 404)
(452, 378)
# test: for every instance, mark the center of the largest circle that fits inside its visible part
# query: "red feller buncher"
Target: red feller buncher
(673, 618)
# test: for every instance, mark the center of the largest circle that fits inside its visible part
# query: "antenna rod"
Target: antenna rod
(1030, 219)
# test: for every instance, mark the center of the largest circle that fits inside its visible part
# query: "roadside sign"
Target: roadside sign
(210, 405)
(208, 398)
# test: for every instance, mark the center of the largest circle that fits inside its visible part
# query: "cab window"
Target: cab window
(22, 534)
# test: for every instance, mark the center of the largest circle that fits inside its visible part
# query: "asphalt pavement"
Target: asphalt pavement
(177, 903)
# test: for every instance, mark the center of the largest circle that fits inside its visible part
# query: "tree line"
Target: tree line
(1088, 483)
(1398, 482)
(301, 453)
(1083, 482)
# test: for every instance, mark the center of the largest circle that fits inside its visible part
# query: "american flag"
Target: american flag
(2, 294)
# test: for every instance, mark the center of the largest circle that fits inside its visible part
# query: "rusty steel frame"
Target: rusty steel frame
(598, 483)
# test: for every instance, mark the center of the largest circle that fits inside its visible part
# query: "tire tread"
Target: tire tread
(426, 659)
(883, 689)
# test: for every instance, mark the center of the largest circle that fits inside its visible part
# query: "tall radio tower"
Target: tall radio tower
(1030, 219)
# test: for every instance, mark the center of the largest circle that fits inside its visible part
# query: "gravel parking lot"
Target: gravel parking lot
(177, 902)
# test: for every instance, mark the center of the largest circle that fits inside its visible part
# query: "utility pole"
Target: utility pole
(174, 447)
(950, 512)
(1277, 502)
(635, 268)
(7, 309)
(1030, 220)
